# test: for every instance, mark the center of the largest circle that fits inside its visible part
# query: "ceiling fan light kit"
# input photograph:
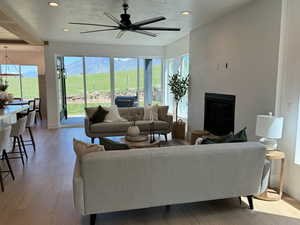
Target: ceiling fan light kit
(125, 24)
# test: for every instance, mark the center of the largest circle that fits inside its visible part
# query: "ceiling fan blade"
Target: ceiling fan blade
(120, 34)
(93, 31)
(113, 19)
(148, 21)
(93, 24)
(158, 28)
(144, 32)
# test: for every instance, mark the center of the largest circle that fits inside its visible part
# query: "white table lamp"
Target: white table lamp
(269, 127)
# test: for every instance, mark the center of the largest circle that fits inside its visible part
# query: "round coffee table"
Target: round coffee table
(141, 144)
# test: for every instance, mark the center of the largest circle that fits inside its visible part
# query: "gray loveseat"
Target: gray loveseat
(162, 126)
(140, 178)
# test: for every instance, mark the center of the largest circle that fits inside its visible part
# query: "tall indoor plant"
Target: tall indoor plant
(179, 86)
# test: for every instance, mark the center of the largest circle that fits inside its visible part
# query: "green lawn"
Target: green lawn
(95, 84)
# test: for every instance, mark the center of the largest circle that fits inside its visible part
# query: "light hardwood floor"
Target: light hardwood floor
(42, 195)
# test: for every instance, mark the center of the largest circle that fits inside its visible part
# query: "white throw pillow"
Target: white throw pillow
(151, 112)
(113, 115)
(199, 141)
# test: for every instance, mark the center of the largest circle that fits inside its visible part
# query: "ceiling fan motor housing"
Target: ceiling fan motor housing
(125, 19)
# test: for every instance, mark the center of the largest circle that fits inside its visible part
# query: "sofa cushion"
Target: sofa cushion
(144, 125)
(163, 112)
(110, 145)
(114, 127)
(132, 114)
(151, 112)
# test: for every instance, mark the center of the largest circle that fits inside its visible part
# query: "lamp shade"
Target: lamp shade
(269, 126)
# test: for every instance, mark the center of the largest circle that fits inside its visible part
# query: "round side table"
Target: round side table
(271, 194)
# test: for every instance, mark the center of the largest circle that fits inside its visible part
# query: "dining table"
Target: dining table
(8, 115)
(18, 102)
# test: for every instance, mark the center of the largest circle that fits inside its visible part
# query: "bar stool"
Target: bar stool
(30, 123)
(17, 131)
(4, 145)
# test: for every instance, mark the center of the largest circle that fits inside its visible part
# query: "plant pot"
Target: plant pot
(178, 131)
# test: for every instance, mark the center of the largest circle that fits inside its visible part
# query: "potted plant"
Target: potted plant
(179, 86)
(3, 86)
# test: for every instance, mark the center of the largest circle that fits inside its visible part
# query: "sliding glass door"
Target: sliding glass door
(74, 86)
(93, 81)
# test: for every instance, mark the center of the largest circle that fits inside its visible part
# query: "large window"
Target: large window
(93, 81)
(126, 76)
(156, 81)
(98, 88)
(174, 65)
(25, 83)
(297, 154)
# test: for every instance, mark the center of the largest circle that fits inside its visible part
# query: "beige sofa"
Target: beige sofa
(113, 181)
(162, 126)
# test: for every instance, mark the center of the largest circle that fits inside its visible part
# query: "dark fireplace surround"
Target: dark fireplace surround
(219, 113)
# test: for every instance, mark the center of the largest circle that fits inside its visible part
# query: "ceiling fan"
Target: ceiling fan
(125, 24)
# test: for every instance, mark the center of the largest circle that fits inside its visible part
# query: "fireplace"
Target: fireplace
(219, 113)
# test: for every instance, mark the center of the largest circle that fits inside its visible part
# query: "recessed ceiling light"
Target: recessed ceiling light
(186, 13)
(53, 4)
(66, 30)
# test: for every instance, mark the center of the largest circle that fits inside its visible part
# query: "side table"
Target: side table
(271, 194)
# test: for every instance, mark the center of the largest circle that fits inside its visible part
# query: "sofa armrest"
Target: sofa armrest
(265, 176)
(87, 126)
(169, 119)
(78, 189)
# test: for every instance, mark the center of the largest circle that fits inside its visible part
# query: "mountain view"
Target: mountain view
(94, 65)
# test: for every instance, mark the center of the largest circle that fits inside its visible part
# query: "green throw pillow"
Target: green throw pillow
(218, 140)
(241, 136)
(99, 115)
(110, 145)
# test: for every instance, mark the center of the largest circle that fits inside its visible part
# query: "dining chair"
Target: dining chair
(37, 102)
(17, 132)
(5, 145)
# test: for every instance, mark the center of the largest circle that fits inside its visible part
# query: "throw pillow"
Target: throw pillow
(151, 112)
(241, 136)
(113, 115)
(163, 112)
(99, 115)
(110, 145)
(217, 140)
(82, 148)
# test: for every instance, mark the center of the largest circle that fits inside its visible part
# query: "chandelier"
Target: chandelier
(4, 69)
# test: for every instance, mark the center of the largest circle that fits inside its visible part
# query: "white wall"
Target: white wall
(177, 48)
(248, 40)
(290, 93)
(78, 49)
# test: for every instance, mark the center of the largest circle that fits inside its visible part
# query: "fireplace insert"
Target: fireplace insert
(219, 113)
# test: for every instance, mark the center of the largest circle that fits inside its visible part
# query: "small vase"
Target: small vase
(133, 131)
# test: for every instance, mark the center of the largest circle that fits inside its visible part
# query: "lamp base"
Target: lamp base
(270, 144)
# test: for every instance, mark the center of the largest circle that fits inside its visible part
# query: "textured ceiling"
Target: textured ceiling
(48, 22)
